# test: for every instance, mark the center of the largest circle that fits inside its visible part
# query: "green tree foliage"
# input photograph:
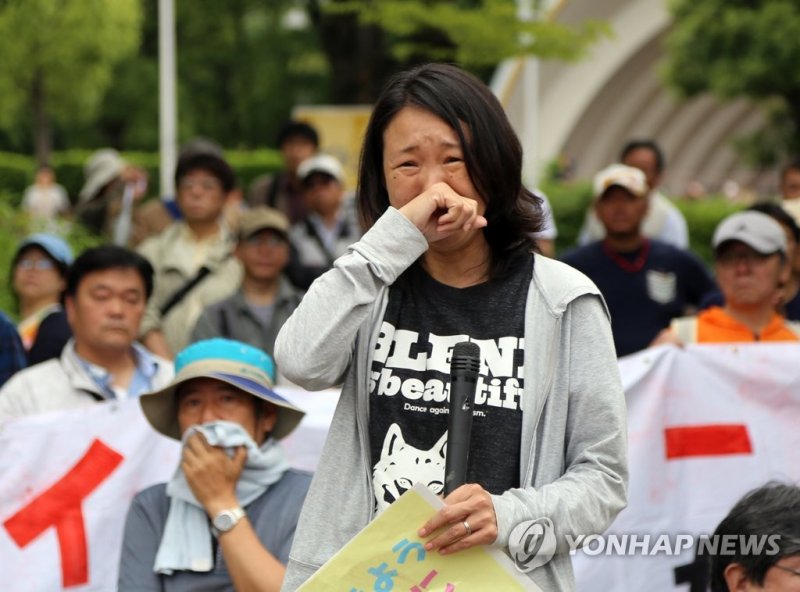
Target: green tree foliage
(16, 226)
(239, 88)
(739, 48)
(58, 58)
(240, 71)
(242, 65)
(473, 33)
(370, 39)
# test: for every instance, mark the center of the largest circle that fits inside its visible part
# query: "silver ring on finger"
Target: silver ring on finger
(467, 528)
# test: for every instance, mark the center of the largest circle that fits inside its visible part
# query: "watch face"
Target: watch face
(224, 521)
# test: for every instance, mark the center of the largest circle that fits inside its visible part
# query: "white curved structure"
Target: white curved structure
(587, 110)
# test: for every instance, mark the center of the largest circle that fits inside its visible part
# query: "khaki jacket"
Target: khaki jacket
(176, 258)
(64, 383)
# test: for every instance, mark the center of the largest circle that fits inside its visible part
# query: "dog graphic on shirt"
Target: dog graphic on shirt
(402, 465)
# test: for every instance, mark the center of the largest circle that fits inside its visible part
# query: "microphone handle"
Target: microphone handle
(459, 429)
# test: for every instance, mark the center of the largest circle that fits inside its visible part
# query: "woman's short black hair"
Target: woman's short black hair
(492, 153)
(108, 257)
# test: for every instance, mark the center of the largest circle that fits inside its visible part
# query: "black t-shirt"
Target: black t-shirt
(410, 380)
(643, 302)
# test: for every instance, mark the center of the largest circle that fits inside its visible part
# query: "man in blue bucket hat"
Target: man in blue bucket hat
(227, 517)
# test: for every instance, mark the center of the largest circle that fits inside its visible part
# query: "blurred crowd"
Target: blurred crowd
(218, 261)
(233, 263)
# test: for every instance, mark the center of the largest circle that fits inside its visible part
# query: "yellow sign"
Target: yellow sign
(341, 132)
(387, 555)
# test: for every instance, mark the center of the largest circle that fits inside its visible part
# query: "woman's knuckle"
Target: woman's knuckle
(448, 513)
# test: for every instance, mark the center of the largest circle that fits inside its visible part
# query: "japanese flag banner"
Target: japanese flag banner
(706, 424)
(66, 480)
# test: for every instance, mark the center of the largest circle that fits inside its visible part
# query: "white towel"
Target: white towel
(186, 543)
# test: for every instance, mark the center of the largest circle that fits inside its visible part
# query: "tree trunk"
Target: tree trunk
(42, 138)
(359, 60)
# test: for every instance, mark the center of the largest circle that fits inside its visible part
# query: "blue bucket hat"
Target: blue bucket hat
(233, 362)
(51, 244)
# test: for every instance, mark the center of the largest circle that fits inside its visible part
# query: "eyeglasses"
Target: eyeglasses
(41, 264)
(789, 569)
(749, 258)
(204, 184)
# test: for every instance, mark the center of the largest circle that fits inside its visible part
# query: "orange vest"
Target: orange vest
(716, 326)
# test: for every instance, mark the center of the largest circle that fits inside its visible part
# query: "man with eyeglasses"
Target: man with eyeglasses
(193, 257)
(772, 510)
(258, 309)
(751, 267)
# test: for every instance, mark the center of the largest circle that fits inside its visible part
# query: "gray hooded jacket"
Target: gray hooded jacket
(573, 445)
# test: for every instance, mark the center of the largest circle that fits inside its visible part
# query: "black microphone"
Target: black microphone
(464, 366)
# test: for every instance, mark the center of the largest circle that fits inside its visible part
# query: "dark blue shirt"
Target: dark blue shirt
(643, 301)
(53, 334)
(12, 354)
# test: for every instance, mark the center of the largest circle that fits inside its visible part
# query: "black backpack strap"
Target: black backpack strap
(181, 292)
(272, 194)
(312, 231)
(224, 325)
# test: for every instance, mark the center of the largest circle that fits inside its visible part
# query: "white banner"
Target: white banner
(706, 425)
(66, 480)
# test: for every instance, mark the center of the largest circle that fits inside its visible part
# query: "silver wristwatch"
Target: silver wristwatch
(226, 520)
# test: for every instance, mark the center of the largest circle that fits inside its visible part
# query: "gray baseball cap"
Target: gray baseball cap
(758, 231)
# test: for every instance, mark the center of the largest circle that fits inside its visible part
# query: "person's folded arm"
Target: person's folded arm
(314, 346)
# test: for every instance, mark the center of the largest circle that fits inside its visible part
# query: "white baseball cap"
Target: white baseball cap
(620, 175)
(758, 231)
(321, 163)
